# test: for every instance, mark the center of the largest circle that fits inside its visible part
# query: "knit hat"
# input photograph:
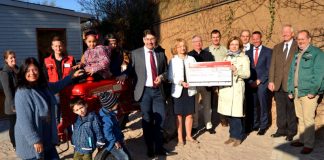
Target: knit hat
(107, 100)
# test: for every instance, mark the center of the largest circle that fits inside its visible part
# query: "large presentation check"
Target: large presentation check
(209, 74)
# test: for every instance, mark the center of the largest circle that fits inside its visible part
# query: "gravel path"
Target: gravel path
(211, 147)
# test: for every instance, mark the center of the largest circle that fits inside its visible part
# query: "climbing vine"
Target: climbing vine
(229, 19)
(272, 11)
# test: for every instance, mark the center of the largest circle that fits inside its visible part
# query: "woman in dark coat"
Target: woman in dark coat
(8, 79)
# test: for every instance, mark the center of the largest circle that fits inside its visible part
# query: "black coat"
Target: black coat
(8, 79)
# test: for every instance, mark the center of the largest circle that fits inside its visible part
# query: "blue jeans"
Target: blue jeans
(153, 112)
(120, 154)
(236, 127)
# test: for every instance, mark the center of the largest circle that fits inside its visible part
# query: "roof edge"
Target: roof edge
(39, 7)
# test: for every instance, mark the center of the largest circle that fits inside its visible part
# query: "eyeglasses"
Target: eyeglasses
(149, 39)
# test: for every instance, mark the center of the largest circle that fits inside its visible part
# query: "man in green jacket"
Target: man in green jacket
(304, 83)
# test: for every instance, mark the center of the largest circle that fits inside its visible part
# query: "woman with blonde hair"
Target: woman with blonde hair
(230, 101)
(183, 94)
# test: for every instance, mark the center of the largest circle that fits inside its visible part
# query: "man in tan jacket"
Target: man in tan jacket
(283, 54)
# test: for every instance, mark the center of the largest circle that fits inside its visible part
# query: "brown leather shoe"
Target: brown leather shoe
(297, 144)
(275, 135)
(230, 140)
(306, 150)
(224, 122)
(236, 142)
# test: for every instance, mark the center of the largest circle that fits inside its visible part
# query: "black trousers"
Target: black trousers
(12, 122)
(153, 115)
(286, 116)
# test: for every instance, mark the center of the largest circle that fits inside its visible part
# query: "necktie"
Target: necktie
(256, 56)
(286, 50)
(153, 68)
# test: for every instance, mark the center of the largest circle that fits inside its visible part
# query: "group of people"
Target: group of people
(292, 70)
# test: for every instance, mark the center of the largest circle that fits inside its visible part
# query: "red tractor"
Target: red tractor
(87, 91)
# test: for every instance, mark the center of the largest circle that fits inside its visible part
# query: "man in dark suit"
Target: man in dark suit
(245, 38)
(150, 69)
(258, 99)
(283, 54)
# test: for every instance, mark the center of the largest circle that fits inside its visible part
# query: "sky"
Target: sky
(67, 4)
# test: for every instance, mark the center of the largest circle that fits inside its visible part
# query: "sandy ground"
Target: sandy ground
(211, 147)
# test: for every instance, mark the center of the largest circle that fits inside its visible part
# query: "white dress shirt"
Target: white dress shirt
(247, 47)
(149, 80)
(289, 46)
(259, 50)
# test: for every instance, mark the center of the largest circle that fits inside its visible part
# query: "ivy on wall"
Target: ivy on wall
(272, 12)
(229, 19)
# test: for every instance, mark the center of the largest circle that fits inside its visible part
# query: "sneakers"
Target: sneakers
(306, 150)
(297, 144)
(209, 125)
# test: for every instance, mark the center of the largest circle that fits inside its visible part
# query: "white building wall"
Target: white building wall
(18, 31)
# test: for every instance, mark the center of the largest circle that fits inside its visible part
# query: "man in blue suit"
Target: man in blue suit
(257, 87)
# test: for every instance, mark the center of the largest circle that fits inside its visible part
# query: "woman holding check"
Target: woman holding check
(230, 101)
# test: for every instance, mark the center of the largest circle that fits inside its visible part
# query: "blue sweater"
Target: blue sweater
(35, 108)
(87, 133)
(111, 128)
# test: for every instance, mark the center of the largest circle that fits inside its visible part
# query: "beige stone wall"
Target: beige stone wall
(232, 17)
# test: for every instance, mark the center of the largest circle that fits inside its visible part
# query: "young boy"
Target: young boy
(87, 133)
(114, 136)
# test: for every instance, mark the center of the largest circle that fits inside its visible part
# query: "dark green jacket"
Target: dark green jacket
(310, 73)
